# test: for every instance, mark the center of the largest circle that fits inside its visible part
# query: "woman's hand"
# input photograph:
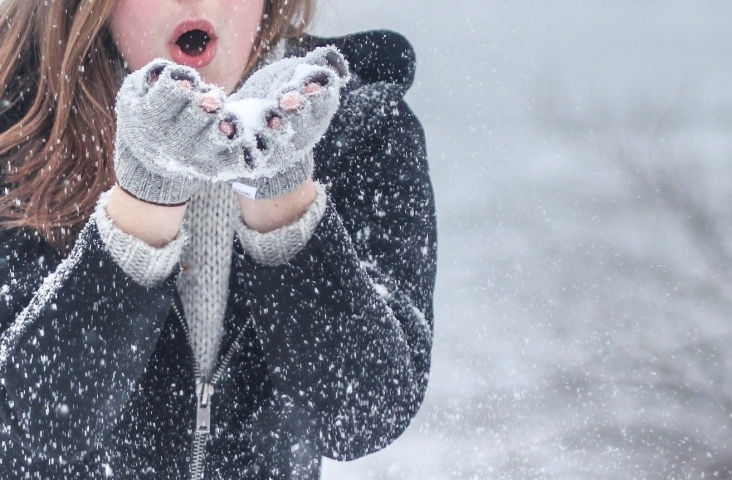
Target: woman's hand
(172, 135)
(301, 96)
(175, 132)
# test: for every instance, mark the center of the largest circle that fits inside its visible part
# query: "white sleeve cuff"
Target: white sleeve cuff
(282, 245)
(148, 266)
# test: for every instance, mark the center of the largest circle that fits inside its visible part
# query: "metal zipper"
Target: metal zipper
(204, 394)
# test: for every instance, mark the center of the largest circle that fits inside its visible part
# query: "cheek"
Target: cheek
(245, 18)
(133, 30)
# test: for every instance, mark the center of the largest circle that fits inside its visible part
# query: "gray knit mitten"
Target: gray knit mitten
(169, 135)
(286, 108)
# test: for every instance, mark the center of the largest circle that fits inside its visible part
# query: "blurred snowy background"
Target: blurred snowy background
(580, 152)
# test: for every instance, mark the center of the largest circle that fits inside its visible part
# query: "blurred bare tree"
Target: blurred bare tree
(647, 307)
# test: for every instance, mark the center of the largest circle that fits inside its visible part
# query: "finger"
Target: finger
(291, 101)
(210, 103)
(227, 128)
(275, 123)
(313, 88)
(184, 84)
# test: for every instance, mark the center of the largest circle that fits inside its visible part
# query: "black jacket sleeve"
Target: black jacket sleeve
(76, 335)
(346, 326)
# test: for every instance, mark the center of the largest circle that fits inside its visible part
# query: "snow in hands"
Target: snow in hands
(306, 91)
(175, 131)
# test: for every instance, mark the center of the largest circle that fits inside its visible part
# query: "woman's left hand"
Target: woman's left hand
(302, 95)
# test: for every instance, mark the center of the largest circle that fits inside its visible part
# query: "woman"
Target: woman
(263, 333)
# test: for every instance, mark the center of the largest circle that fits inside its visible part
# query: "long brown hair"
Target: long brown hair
(58, 83)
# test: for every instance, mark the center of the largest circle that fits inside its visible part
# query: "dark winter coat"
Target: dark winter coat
(96, 372)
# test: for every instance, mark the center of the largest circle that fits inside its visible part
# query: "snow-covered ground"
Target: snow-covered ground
(581, 159)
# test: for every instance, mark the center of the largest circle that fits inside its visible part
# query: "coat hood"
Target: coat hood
(377, 56)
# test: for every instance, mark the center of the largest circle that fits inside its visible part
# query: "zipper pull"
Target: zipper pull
(204, 391)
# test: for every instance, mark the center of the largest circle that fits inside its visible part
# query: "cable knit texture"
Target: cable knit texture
(281, 245)
(147, 265)
(206, 261)
(204, 284)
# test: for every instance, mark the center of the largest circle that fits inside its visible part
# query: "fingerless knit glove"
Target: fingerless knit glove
(299, 97)
(174, 131)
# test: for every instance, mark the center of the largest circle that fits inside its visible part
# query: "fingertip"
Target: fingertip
(210, 103)
(227, 128)
(313, 88)
(291, 101)
(275, 122)
(184, 84)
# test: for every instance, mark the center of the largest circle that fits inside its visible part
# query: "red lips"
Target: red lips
(193, 43)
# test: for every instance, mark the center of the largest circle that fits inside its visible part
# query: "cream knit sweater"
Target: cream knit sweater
(204, 248)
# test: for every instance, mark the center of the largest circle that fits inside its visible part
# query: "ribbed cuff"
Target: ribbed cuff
(280, 183)
(149, 186)
(282, 245)
(148, 266)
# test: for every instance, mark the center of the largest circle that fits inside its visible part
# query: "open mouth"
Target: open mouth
(194, 44)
